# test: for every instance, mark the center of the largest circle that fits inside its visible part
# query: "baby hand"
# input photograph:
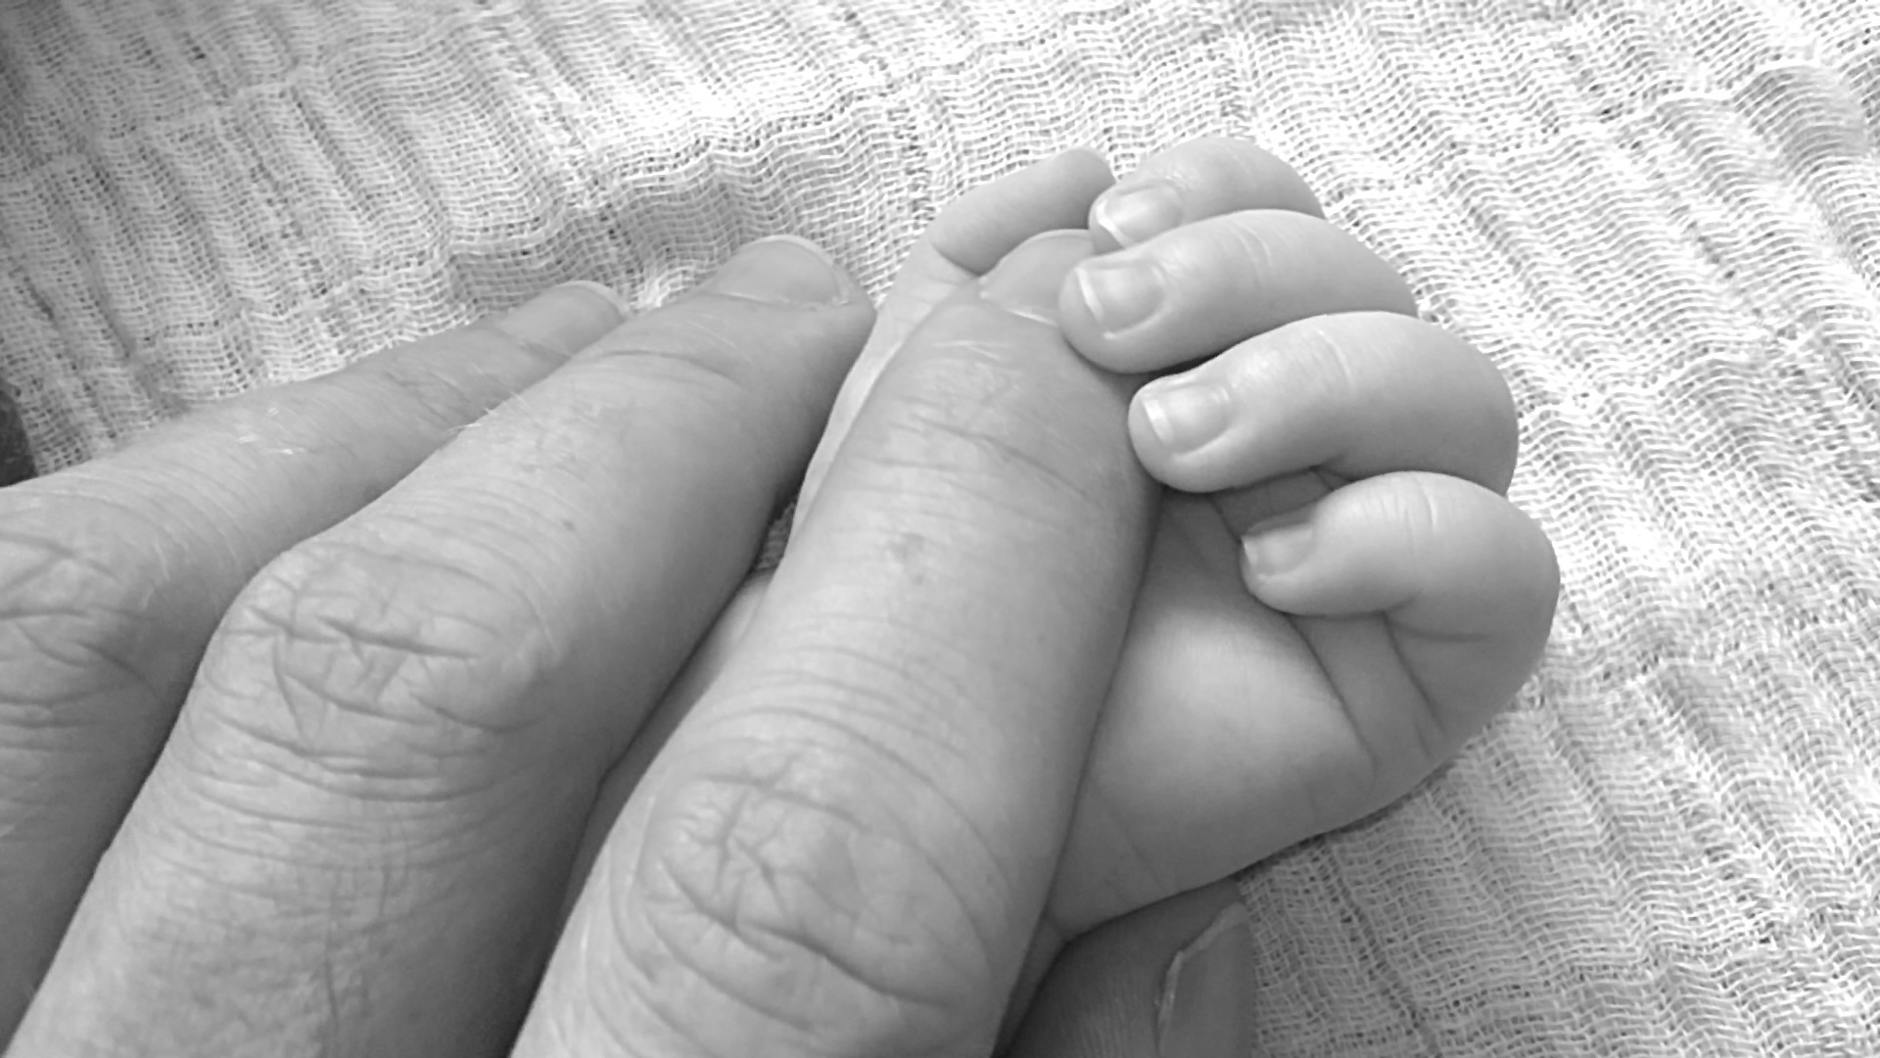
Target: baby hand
(1340, 594)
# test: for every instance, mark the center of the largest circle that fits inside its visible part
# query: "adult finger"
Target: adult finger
(1357, 393)
(363, 823)
(1194, 179)
(969, 236)
(114, 573)
(700, 671)
(1200, 288)
(844, 848)
(1169, 981)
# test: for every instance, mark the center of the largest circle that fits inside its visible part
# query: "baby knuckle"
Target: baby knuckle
(1411, 503)
(1249, 243)
(777, 892)
(1337, 374)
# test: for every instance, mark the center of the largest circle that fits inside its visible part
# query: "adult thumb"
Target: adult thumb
(1170, 981)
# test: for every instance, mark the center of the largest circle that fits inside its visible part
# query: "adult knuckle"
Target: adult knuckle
(970, 423)
(377, 662)
(785, 886)
(70, 618)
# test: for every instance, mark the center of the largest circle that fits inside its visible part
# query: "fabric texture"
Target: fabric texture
(1661, 219)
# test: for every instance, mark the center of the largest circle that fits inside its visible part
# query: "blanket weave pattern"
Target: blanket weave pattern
(1661, 219)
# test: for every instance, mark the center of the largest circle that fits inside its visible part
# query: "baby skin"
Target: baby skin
(1338, 594)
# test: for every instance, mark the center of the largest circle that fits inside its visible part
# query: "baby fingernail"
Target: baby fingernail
(1185, 415)
(1133, 213)
(1120, 291)
(1203, 1008)
(1279, 544)
(783, 270)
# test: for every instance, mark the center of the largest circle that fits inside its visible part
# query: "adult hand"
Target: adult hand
(403, 635)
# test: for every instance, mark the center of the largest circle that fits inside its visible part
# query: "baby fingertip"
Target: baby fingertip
(1135, 211)
(1184, 413)
(1277, 547)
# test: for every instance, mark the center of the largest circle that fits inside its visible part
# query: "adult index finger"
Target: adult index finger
(845, 847)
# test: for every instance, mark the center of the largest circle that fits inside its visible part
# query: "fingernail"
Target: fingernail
(783, 270)
(1134, 213)
(567, 318)
(1026, 282)
(1203, 1008)
(1279, 544)
(1185, 414)
(604, 293)
(1120, 291)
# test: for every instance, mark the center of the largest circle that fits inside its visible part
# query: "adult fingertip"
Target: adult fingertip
(1169, 981)
(1027, 281)
(973, 233)
(1202, 1012)
(600, 295)
(784, 270)
(562, 320)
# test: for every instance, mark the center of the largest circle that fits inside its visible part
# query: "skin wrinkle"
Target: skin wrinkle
(773, 876)
(1491, 436)
(729, 917)
(929, 677)
(299, 993)
(946, 879)
(451, 835)
(971, 374)
(93, 610)
(745, 933)
(59, 700)
(922, 780)
(799, 719)
(1343, 791)
(949, 485)
(378, 896)
(1377, 761)
(422, 612)
(333, 713)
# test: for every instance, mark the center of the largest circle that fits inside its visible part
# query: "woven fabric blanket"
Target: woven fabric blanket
(1661, 219)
